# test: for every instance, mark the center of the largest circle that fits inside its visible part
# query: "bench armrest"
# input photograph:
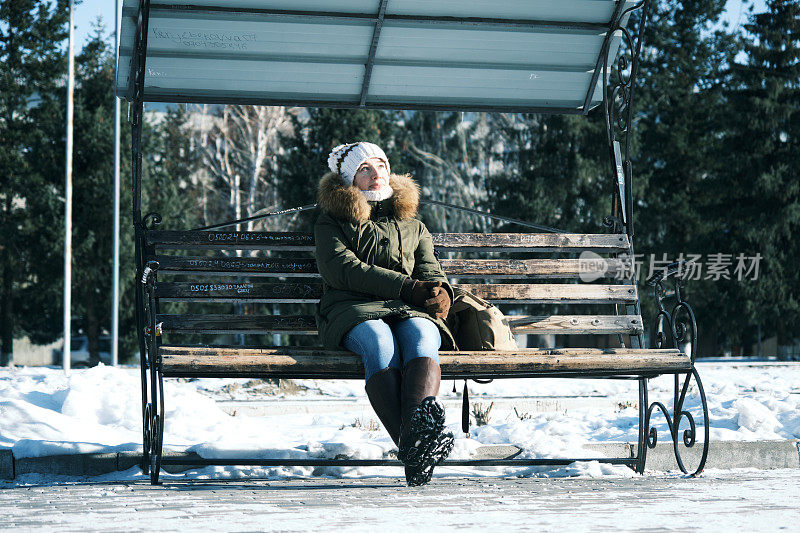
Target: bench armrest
(670, 270)
(676, 328)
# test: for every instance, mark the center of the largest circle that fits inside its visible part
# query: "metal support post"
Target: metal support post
(67, 351)
(115, 271)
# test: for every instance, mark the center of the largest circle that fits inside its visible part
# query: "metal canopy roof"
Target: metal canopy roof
(515, 55)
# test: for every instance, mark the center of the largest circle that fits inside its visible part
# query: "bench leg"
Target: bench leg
(152, 433)
(677, 329)
(147, 414)
(153, 414)
(641, 452)
(153, 423)
(648, 436)
(156, 426)
(155, 420)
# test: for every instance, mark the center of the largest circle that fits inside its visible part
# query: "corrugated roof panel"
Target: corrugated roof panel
(227, 78)
(422, 85)
(245, 36)
(442, 45)
(589, 11)
(532, 54)
(369, 7)
(551, 10)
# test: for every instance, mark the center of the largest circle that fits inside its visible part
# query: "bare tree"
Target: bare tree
(457, 163)
(239, 147)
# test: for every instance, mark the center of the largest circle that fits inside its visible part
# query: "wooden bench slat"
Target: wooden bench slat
(540, 242)
(307, 267)
(311, 292)
(243, 361)
(252, 324)
(576, 324)
(250, 266)
(489, 242)
(237, 291)
(533, 268)
(552, 293)
(243, 240)
(306, 325)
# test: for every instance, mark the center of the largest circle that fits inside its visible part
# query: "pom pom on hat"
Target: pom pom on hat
(346, 158)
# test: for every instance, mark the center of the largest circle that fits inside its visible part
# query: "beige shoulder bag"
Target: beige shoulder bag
(478, 325)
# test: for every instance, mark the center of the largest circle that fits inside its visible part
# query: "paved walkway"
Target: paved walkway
(717, 501)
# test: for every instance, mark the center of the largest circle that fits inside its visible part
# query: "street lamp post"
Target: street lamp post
(66, 352)
(115, 284)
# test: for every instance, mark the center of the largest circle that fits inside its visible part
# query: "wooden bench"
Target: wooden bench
(281, 274)
(535, 57)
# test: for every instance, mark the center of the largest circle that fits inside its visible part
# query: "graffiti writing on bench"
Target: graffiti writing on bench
(298, 291)
(293, 323)
(240, 288)
(216, 236)
(218, 40)
(253, 265)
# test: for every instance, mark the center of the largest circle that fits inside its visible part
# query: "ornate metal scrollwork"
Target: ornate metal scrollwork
(157, 432)
(648, 436)
(147, 417)
(677, 329)
(619, 82)
(153, 431)
(611, 221)
(154, 411)
(148, 280)
(618, 93)
(151, 220)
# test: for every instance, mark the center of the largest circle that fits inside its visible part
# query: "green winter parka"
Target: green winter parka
(364, 251)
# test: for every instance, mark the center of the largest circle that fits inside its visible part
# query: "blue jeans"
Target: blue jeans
(382, 346)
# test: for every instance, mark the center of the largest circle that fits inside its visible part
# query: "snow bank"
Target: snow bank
(44, 412)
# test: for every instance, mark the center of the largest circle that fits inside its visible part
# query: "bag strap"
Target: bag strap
(465, 410)
(465, 402)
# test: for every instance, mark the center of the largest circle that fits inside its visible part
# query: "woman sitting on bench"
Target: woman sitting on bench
(385, 298)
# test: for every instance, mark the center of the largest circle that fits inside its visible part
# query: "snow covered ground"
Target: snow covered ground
(44, 412)
(729, 500)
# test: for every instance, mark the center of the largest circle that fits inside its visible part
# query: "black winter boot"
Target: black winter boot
(423, 441)
(432, 449)
(383, 391)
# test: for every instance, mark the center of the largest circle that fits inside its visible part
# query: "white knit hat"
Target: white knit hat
(346, 158)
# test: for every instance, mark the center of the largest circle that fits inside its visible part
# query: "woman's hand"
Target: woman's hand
(417, 292)
(428, 294)
(439, 305)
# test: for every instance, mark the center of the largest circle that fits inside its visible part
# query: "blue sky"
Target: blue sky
(88, 10)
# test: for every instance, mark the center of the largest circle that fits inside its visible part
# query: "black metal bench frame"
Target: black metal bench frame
(673, 328)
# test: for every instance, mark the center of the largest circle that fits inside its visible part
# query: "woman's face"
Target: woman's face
(372, 175)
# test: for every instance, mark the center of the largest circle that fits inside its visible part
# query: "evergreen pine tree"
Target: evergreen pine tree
(93, 172)
(756, 195)
(32, 67)
(555, 173)
(171, 160)
(678, 113)
(167, 166)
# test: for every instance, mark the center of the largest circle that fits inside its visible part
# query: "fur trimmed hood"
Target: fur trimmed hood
(347, 202)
